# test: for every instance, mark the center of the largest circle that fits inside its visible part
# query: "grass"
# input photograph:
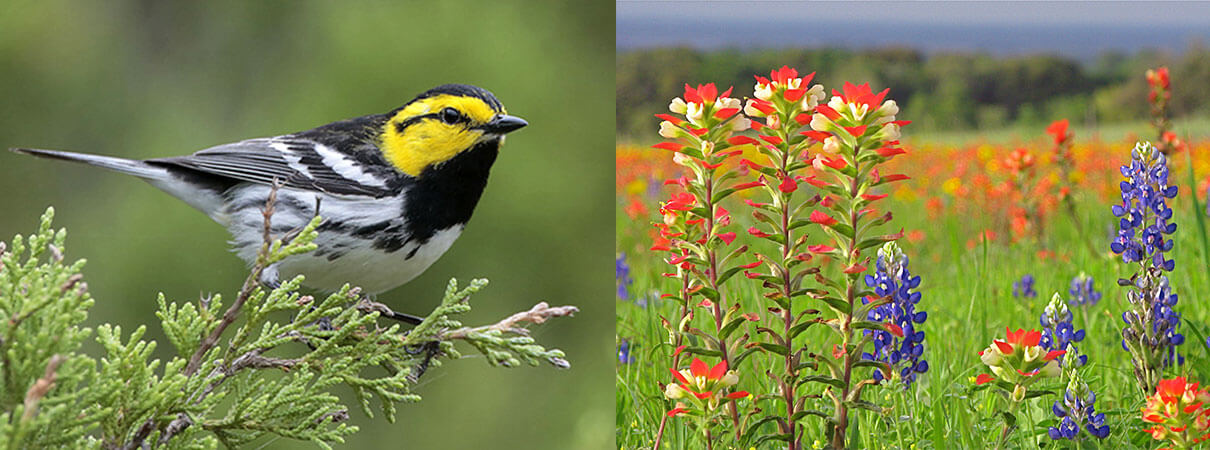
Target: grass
(967, 292)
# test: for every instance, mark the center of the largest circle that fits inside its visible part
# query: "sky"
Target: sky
(1077, 29)
(1007, 12)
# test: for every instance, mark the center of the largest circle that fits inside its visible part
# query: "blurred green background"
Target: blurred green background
(152, 78)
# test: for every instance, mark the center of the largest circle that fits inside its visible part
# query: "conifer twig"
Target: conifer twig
(41, 387)
(538, 314)
(250, 284)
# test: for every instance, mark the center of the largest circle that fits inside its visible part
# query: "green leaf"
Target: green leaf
(779, 349)
(822, 379)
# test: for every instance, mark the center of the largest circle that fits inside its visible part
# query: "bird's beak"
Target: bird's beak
(504, 123)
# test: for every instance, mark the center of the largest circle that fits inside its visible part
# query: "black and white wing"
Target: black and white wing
(296, 163)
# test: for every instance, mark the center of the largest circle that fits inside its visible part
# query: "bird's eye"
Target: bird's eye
(450, 116)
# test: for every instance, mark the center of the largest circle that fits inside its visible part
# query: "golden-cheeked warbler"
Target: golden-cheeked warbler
(395, 190)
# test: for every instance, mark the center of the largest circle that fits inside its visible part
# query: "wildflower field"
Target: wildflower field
(797, 269)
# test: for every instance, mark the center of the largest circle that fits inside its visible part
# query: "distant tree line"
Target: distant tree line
(935, 91)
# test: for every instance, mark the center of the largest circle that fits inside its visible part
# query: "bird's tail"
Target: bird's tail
(128, 166)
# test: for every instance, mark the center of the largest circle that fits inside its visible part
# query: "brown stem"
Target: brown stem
(846, 331)
(787, 313)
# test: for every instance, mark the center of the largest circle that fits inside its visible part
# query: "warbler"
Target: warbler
(395, 190)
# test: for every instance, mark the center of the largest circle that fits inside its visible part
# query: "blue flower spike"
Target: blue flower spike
(892, 279)
(1077, 409)
(1082, 291)
(1025, 287)
(1058, 333)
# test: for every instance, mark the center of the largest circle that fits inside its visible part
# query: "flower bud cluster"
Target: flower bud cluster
(1058, 333)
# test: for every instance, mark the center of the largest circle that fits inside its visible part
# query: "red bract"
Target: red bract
(671, 118)
(984, 378)
(855, 268)
(741, 140)
(788, 185)
(770, 139)
(861, 94)
(822, 218)
(757, 232)
(763, 106)
(1158, 77)
(725, 113)
(893, 329)
(750, 184)
(887, 152)
(1023, 338)
(704, 93)
(670, 146)
(1058, 129)
(819, 136)
(828, 112)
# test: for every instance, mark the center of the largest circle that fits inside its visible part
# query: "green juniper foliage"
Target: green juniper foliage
(272, 373)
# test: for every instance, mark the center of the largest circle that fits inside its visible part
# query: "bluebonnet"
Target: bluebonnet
(1150, 334)
(1058, 333)
(1144, 212)
(624, 352)
(1025, 287)
(622, 277)
(1076, 409)
(1082, 291)
(892, 279)
(1152, 322)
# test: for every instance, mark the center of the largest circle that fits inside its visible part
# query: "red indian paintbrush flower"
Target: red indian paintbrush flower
(1018, 358)
(1180, 412)
(704, 384)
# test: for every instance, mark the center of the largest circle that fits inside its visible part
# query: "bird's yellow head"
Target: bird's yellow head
(441, 123)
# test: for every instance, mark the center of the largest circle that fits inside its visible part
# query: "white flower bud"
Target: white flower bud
(773, 122)
(674, 391)
(740, 124)
(811, 99)
(889, 132)
(991, 357)
(694, 112)
(678, 106)
(730, 379)
(728, 102)
(1032, 353)
(887, 112)
(751, 110)
(831, 145)
(668, 130)
(1019, 393)
(682, 159)
(819, 122)
(1051, 369)
(837, 103)
(764, 91)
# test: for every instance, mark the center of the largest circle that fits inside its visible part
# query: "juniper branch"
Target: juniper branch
(203, 397)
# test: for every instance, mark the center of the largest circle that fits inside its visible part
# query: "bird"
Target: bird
(395, 190)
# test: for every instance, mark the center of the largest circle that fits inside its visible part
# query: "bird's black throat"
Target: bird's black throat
(445, 195)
